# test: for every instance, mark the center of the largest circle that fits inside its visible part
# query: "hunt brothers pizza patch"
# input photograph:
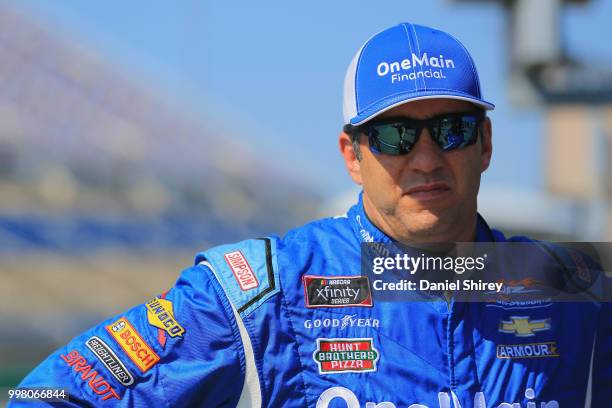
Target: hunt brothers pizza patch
(335, 356)
(337, 291)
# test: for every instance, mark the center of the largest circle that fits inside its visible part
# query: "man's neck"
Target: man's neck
(460, 232)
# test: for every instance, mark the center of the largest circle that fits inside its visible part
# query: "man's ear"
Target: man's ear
(486, 144)
(350, 157)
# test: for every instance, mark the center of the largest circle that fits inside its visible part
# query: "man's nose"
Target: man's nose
(426, 156)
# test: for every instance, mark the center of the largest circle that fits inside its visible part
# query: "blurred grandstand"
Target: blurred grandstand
(107, 191)
(108, 187)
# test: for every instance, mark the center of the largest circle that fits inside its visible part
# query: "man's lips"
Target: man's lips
(427, 191)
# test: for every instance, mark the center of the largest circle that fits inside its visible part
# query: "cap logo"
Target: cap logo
(385, 68)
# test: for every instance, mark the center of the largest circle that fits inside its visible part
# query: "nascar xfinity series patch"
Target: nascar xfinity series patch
(336, 291)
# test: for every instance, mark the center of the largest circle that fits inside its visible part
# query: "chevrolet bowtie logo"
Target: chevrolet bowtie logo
(523, 326)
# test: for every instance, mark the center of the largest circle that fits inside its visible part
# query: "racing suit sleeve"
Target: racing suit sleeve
(182, 348)
(601, 372)
(599, 393)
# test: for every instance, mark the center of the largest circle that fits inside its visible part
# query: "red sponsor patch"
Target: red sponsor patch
(345, 356)
(242, 270)
(95, 381)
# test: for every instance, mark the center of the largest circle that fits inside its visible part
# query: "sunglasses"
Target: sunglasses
(397, 136)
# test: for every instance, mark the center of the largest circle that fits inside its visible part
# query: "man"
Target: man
(291, 322)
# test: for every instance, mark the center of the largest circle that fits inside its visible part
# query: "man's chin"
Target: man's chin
(426, 225)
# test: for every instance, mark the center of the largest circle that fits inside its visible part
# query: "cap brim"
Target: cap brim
(385, 105)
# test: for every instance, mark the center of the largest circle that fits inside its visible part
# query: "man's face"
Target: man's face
(428, 195)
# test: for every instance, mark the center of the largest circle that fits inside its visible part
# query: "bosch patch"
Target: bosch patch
(133, 344)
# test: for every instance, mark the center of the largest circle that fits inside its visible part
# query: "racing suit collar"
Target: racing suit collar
(363, 227)
(366, 231)
(484, 233)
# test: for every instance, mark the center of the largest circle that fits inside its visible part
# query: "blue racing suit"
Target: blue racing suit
(290, 322)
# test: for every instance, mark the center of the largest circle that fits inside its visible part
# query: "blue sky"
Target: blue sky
(272, 72)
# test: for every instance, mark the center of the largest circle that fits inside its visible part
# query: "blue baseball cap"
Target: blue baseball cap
(405, 63)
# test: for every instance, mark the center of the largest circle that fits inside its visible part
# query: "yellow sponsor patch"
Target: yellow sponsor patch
(523, 326)
(161, 315)
(132, 343)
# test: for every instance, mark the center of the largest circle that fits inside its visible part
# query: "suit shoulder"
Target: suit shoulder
(323, 229)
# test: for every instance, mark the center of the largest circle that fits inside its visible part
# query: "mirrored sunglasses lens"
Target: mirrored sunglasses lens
(394, 138)
(457, 132)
